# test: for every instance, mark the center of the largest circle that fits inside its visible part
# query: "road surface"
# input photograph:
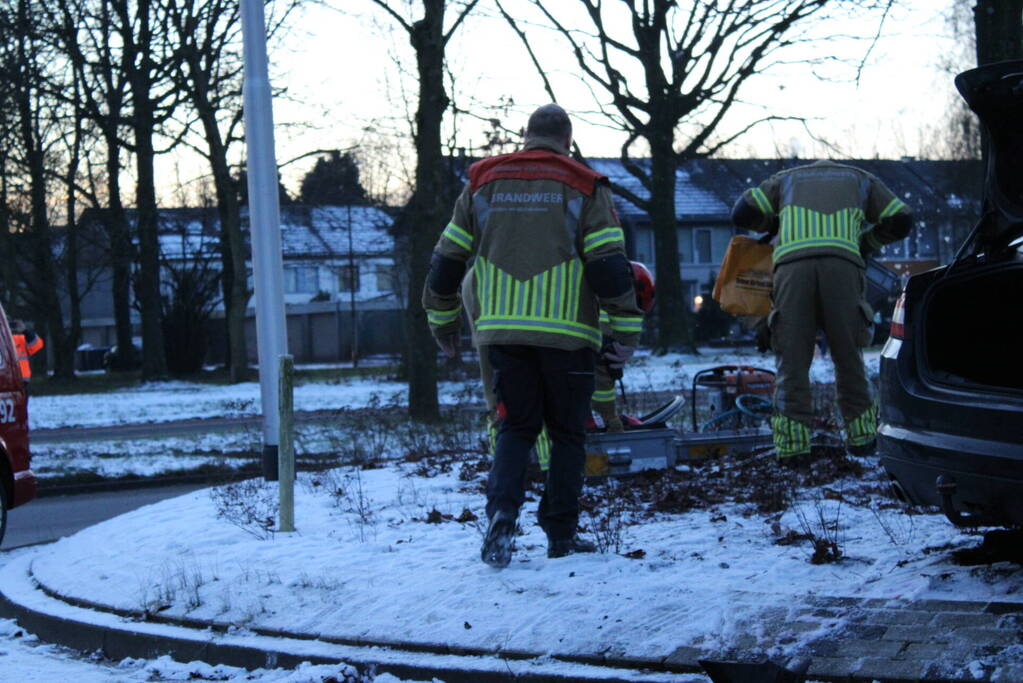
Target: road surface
(47, 519)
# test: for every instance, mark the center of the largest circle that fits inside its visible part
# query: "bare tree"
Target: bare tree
(85, 31)
(208, 36)
(123, 48)
(667, 73)
(957, 134)
(25, 59)
(149, 61)
(426, 211)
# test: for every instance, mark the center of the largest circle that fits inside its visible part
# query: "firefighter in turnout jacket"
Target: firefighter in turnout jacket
(604, 399)
(547, 255)
(828, 217)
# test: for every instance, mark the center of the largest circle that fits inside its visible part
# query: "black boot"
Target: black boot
(497, 546)
(561, 547)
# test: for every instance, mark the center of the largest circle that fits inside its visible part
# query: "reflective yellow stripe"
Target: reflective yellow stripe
(543, 449)
(439, 318)
(546, 302)
(894, 206)
(458, 236)
(601, 237)
(626, 323)
(790, 437)
(763, 203)
(533, 324)
(802, 227)
(863, 429)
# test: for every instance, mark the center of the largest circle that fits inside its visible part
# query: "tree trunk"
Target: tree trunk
(147, 286)
(999, 26)
(233, 275)
(203, 61)
(234, 283)
(673, 328)
(424, 215)
(71, 265)
(121, 257)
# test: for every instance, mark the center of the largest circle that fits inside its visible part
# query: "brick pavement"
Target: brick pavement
(887, 640)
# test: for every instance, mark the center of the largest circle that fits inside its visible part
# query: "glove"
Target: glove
(615, 354)
(448, 343)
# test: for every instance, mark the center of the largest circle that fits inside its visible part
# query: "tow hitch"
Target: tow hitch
(946, 489)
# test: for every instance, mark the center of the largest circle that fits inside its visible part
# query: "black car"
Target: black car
(951, 418)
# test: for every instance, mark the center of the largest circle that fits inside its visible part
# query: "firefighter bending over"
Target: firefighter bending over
(829, 216)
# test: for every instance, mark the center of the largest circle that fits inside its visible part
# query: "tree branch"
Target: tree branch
(397, 17)
(454, 27)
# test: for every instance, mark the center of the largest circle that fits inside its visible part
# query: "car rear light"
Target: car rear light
(898, 330)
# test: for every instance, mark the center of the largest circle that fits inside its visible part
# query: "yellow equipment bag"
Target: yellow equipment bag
(743, 285)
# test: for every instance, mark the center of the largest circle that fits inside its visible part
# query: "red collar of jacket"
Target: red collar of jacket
(539, 162)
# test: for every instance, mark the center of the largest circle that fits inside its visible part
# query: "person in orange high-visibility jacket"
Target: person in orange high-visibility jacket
(26, 344)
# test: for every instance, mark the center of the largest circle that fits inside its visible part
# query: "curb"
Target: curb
(118, 633)
(87, 630)
(48, 490)
(225, 476)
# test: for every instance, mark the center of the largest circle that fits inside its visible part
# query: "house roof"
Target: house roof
(334, 230)
(306, 231)
(707, 188)
(694, 199)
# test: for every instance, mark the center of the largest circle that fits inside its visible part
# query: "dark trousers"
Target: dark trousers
(537, 386)
(822, 293)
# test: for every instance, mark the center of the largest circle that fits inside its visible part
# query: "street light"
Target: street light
(265, 226)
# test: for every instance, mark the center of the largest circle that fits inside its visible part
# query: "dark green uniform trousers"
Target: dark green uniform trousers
(820, 293)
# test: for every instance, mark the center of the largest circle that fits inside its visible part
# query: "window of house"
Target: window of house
(348, 278)
(685, 244)
(385, 279)
(702, 252)
(644, 245)
(300, 280)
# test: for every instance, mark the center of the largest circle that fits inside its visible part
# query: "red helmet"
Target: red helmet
(644, 284)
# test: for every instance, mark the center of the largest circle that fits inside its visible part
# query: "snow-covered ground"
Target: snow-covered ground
(392, 552)
(168, 401)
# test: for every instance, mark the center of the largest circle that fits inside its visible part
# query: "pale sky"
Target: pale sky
(342, 76)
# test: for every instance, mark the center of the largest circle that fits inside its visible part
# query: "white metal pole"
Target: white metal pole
(264, 221)
(286, 463)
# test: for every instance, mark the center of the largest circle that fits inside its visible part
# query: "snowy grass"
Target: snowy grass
(367, 417)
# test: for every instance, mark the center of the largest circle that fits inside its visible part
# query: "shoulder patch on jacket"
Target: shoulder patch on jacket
(535, 164)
